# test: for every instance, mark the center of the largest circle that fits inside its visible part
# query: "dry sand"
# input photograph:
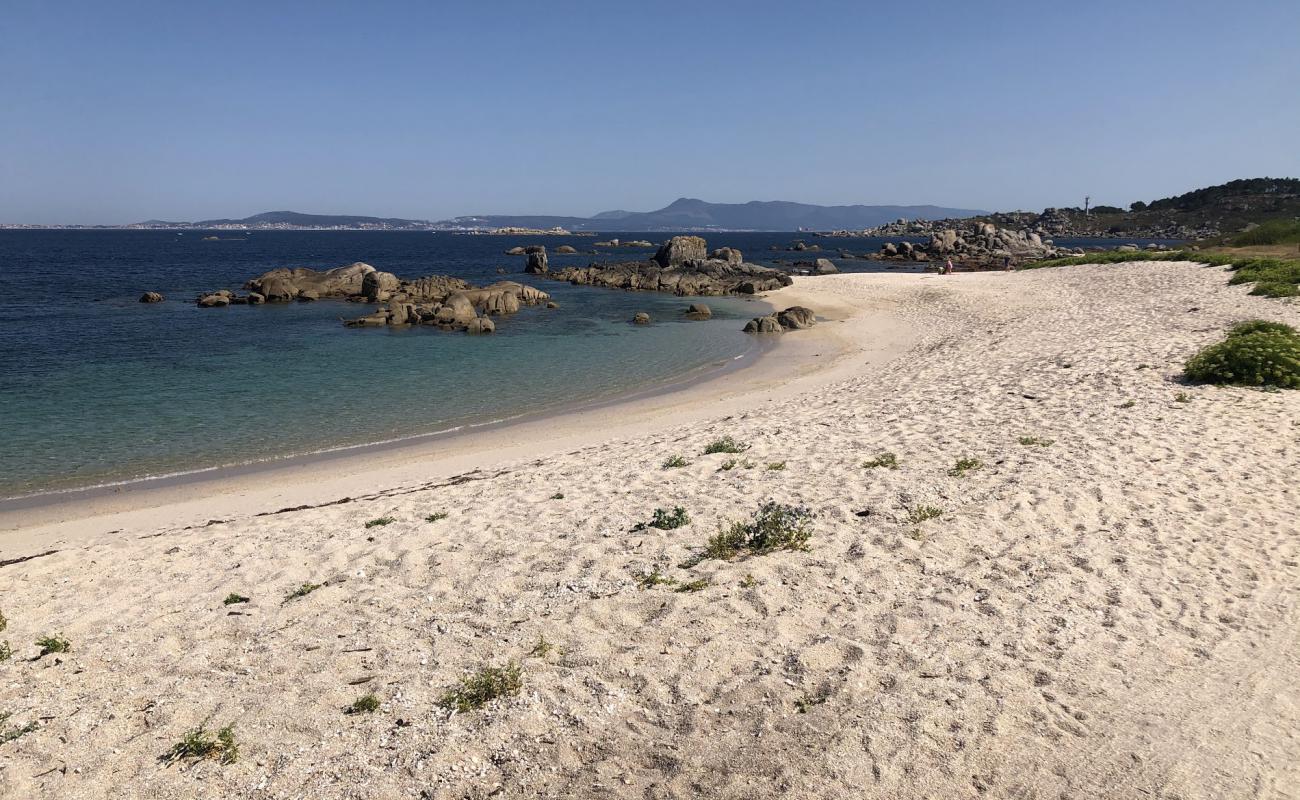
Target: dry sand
(1114, 615)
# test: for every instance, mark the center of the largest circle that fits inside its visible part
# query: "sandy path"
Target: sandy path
(1113, 615)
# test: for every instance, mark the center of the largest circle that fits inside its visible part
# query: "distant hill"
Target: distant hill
(690, 214)
(295, 219)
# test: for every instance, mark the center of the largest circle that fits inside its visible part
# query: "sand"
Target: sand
(1111, 615)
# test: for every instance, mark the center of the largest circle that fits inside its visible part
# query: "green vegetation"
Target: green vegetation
(725, 445)
(558, 496)
(921, 513)
(4, 623)
(9, 734)
(198, 745)
(1127, 404)
(364, 704)
(776, 466)
(965, 465)
(732, 463)
(1273, 277)
(380, 521)
(886, 460)
(1274, 231)
(748, 582)
(1182, 397)
(649, 580)
(6, 652)
(1035, 441)
(302, 591)
(437, 515)
(670, 521)
(774, 526)
(808, 701)
(483, 687)
(542, 649)
(1255, 353)
(52, 644)
(234, 598)
(693, 586)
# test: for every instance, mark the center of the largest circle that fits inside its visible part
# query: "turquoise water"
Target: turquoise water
(97, 388)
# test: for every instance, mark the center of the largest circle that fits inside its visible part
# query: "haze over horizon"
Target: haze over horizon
(160, 111)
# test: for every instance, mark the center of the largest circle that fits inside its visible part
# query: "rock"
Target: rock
(214, 300)
(799, 247)
(282, 285)
(537, 264)
(151, 297)
(379, 286)
(535, 248)
(698, 311)
(552, 304)
(824, 266)
(889, 249)
(641, 318)
(480, 325)
(255, 299)
(308, 295)
(1127, 248)
(692, 278)
(766, 324)
(566, 249)
(369, 321)
(638, 243)
(680, 249)
(515, 251)
(727, 254)
(402, 313)
(455, 310)
(796, 318)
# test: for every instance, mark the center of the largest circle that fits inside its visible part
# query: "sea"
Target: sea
(98, 389)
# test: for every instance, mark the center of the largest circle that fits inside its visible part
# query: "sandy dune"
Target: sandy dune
(1114, 615)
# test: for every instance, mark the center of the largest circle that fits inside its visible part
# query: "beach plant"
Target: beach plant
(364, 704)
(558, 496)
(808, 701)
(542, 649)
(649, 580)
(727, 465)
(668, 521)
(234, 598)
(886, 460)
(1255, 353)
(302, 591)
(675, 461)
(1182, 397)
(725, 445)
(748, 582)
(380, 521)
(774, 526)
(1273, 277)
(776, 466)
(6, 652)
(1127, 404)
(484, 686)
(198, 745)
(693, 586)
(8, 734)
(52, 644)
(965, 465)
(920, 514)
(437, 515)
(4, 623)
(1036, 441)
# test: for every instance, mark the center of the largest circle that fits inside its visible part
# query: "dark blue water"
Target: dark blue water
(96, 387)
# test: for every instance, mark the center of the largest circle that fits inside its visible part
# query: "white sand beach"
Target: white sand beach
(1112, 612)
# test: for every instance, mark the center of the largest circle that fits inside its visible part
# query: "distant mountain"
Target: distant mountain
(690, 214)
(295, 219)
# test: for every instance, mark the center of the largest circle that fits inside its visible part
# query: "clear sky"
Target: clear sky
(121, 111)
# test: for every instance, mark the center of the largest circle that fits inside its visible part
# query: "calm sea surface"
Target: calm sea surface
(98, 388)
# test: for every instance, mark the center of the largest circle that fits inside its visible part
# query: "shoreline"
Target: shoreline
(798, 361)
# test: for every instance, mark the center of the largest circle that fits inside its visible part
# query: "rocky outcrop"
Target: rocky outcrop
(680, 249)
(566, 249)
(978, 244)
(727, 254)
(793, 318)
(283, 285)
(537, 263)
(151, 297)
(641, 318)
(515, 251)
(463, 307)
(698, 311)
(214, 300)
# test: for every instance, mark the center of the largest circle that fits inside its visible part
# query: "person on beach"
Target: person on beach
(947, 270)
(1006, 263)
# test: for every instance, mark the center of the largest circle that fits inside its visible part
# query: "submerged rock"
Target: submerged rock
(698, 311)
(564, 248)
(767, 324)
(641, 318)
(151, 297)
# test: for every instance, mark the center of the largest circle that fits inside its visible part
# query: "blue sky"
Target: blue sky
(123, 111)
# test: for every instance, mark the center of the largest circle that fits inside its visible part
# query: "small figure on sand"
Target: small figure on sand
(1006, 263)
(947, 270)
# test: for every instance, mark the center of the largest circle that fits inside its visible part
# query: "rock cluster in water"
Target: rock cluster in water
(794, 318)
(441, 300)
(682, 266)
(979, 244)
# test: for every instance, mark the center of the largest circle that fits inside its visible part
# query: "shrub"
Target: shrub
(965, 465)
(774, 526)
(4, 623)
(233, 598)
(483, 687)
(1035, 441)
(670, 521)
(364, 704)
(649, 580)
(380, 521)
(727, 465)
(558, 496)
(542, 648)
(1253, 354)
(725, 445)
(6, 652)
(53, 644)
(1242, 329)
(776, 466)
(1276, 231)
(921, 513)
(435, 516)
(1182, 397)
(693, 586)
(886, 460)
(302, 591)
(198, 745)
(674, 462)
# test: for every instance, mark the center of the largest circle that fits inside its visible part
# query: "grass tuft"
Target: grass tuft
(675, 461)
(302, 591)
(886, 460)
(380, 521)
(1036, 441)
(52, 644)
(774, 526)
(542, 649)
(776, 466)
(965, 465)
(4, 623)
(725, 445)
(667, 521)
(649, 580)
(693, 586)
(920, 514)
(483, 687)
(198, 744)
(437, 515)
(365, 704)
(6, 652)
(234, 598)
(9, 734)
(558, 496)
